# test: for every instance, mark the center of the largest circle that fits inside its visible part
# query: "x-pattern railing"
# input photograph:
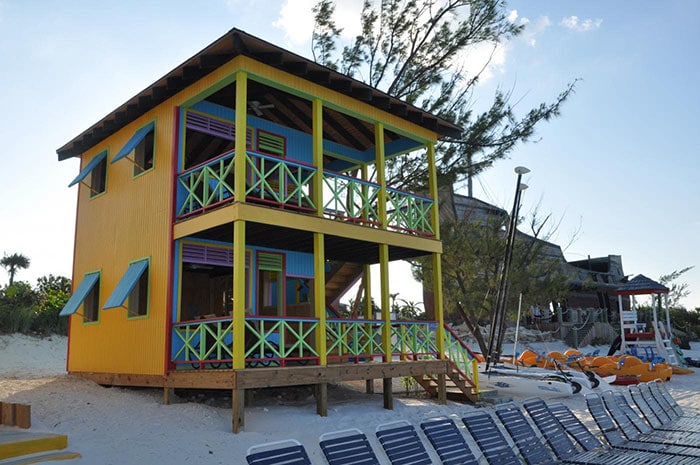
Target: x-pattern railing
(354, 338)
(409, 212)
(206, 184)
(350, 198)
(280, 339)
(280, 181)
(413, 338)
(203, 341)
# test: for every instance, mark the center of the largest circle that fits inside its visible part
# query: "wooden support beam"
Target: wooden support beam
(442, 389)
(322, 399)
(23, 415)
(167, 395)
(238, 406)
(387, 386)
(369, 384)
(7, 413)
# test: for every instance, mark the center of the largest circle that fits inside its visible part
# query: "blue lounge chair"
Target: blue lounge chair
(448, 442)
(347, 447)
(531, 448)
(402, 444)
(566, 451)
(489, 438)
(286, 452)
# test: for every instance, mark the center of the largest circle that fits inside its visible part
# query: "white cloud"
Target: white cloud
(513, 16)
(296, 19)
(575, 24)
(533, 29)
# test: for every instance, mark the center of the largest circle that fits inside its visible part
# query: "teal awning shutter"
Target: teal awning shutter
(76, 300)
(134, 141)
(126, 284)
(90, 166)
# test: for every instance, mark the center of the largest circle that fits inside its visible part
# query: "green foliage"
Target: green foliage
(52, 294)
(414, 50)
(18, 304)
(12, 263)
(409, 384)
(677, 291)
(24, 310)
(473, 251)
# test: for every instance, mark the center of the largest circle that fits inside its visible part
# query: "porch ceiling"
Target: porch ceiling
(337, 248)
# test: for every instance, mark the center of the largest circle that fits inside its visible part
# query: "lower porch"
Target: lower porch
(243, 380)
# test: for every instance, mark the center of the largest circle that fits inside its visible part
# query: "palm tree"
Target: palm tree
(14, 262)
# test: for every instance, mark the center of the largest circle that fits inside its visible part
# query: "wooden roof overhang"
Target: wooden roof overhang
(236, 42)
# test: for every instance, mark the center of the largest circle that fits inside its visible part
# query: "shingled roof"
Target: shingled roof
(232, 44)
(640, 284)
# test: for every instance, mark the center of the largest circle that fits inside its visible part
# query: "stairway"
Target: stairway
(458, 388)
(19, 447)
(340, 276)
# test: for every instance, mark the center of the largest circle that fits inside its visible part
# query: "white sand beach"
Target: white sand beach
(118, 426)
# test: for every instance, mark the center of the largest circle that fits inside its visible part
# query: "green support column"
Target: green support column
(385, 304)
(438, 302)
(317, 149)
(437, 258)
(381, 174)
(320, 296)
(239, 226)
(241, 127)
(367, 283)
(239, 294)
(434, 193)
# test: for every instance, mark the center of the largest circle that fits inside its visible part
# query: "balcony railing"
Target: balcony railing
(273, 341)
(287, 184)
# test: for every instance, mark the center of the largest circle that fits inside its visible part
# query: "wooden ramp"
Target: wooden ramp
(24, 447)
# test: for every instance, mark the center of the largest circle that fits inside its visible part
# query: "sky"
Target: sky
(618, 170)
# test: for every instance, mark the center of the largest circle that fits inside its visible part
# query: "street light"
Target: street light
(498, 317)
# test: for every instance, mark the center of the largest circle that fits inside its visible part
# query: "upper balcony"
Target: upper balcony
(311, 159)
(285, 183)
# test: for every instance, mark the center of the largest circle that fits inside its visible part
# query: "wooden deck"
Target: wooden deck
(255, 378)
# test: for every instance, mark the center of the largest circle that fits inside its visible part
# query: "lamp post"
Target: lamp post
(498, 317)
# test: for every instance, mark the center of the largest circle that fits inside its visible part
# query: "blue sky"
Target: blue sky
(619, 165)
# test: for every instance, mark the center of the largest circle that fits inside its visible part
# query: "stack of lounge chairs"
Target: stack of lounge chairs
(639, 426)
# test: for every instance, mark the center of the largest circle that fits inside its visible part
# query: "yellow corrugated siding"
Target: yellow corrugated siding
(131, 220)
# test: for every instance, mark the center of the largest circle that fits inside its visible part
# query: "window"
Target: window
(138, 299)
(91, 304)
(86, 294)
(271, 295)
(143, 154)
(133, 286)
(97, 169)
(98, 178)
(142, 144)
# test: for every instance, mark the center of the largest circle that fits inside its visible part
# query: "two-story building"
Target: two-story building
(223, 209)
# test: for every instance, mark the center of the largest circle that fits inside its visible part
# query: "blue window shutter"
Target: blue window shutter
(126, 284)
(134, 141)
(76, 300)
(90, 166)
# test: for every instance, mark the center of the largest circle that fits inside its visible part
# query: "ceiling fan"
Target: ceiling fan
(257, 107)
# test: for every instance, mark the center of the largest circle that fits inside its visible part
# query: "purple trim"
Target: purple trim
(205, 255)
(216, 127)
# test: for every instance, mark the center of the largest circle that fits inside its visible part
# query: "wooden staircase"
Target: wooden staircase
(340, 277)
(459, 388)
